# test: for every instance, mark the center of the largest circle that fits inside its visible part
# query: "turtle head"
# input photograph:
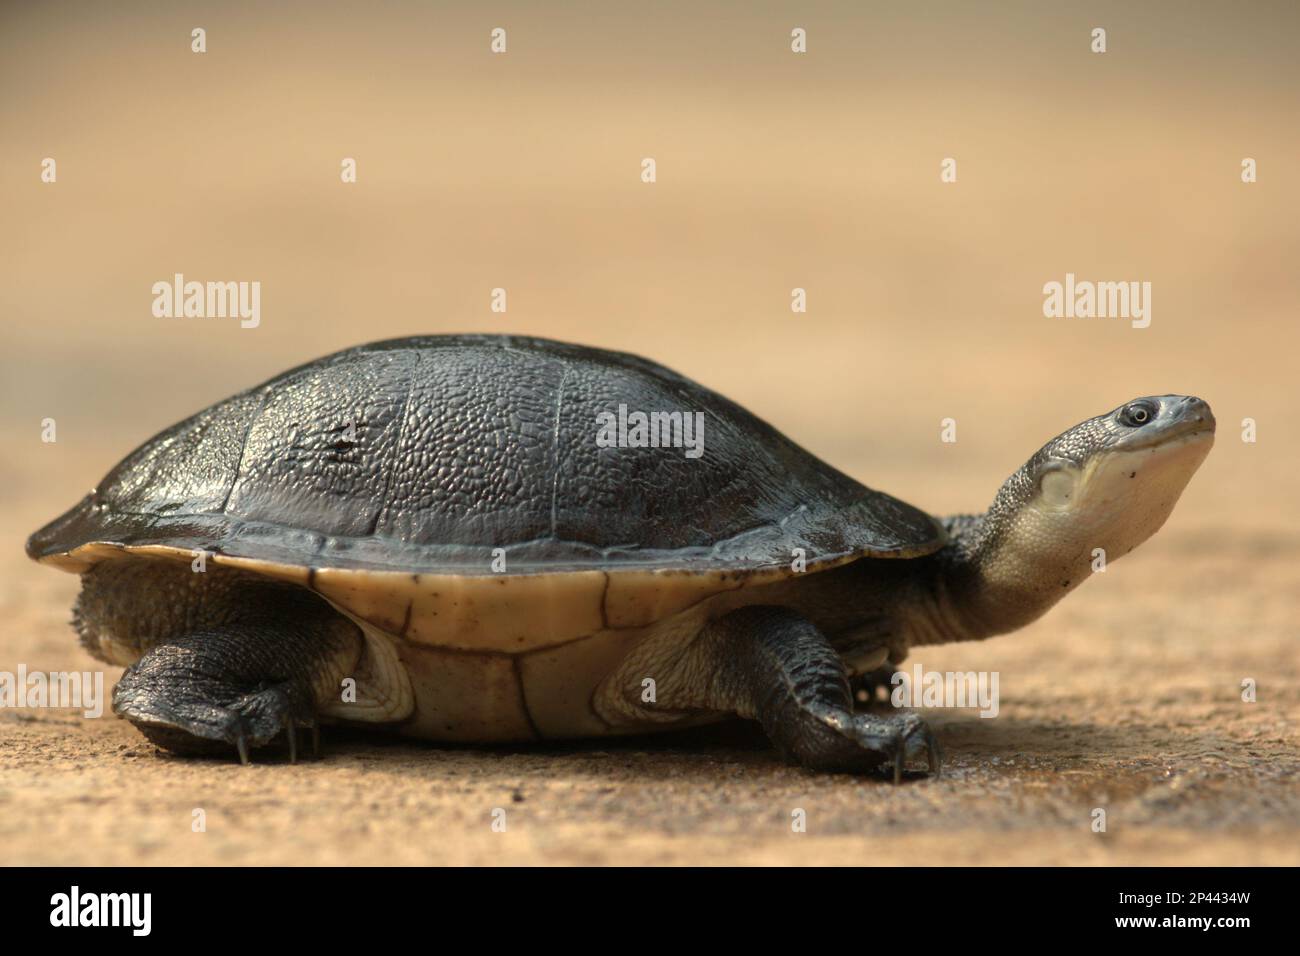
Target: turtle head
(1111, 481)
(1089, 496)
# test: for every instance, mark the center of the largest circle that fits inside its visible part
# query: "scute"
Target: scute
(444, 454)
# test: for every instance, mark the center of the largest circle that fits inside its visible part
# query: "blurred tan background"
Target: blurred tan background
(775, 171)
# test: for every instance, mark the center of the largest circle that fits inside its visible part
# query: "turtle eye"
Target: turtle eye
(1136, 414)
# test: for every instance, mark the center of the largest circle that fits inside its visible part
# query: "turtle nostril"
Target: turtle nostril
(1197, 412)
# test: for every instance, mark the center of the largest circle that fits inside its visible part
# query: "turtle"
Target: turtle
(499, 539)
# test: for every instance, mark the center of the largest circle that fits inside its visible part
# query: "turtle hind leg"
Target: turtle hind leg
(243, 683)
(189, 696)
(773, 665)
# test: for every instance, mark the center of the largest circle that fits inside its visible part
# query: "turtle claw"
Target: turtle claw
(291, 728)
(890, 741)
(256, 718)
(926, 740)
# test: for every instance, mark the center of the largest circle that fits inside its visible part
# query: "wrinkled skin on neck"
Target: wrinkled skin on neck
(1088, 497)
(1096, 491)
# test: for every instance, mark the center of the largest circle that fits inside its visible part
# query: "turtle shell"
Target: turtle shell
(490, 487)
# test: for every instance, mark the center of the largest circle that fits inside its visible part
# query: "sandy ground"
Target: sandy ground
(775, 172)
(1126, 699)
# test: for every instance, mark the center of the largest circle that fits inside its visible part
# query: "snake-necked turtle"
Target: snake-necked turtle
(497, 538)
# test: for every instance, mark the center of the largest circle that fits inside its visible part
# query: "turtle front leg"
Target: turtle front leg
(244, 682)
(774, 666)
